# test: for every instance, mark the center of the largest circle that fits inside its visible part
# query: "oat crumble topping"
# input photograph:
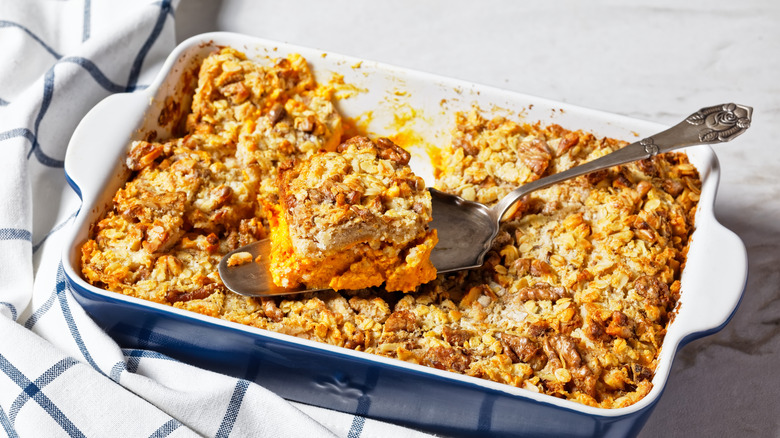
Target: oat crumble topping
(573, 300)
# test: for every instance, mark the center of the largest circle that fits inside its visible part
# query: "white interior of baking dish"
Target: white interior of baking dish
(712, 281)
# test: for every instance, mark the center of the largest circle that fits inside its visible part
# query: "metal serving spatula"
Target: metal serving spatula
(466, 229)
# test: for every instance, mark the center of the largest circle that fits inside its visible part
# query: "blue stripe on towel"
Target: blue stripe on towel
(166, 429)
(133, 359)
(19, 132)
(15, 234)
(95, 72)
(61, 287)
(33, 391)
(48, 94)
(59, 295)
(33, 388)
(363, 406)
(90, 67)
(356, 429)
(116, 371)
(6, 23)
(33, 139)
(229, 420)
(135, 71)
(358, 421)
(8, 428)
(12, 308)
(40, 311)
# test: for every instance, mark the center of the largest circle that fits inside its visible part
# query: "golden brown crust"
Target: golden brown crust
(192, 199)
(489, 158)
(579, 283)
(573, 300)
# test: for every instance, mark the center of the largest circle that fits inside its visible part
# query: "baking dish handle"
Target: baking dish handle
(86, 148)
(722, 285)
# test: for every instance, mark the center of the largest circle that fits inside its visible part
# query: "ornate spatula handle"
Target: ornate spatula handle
(713, 124)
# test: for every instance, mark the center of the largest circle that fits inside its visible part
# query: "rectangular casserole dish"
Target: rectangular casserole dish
(387, 101)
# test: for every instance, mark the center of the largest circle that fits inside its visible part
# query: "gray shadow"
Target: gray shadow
(194, 17)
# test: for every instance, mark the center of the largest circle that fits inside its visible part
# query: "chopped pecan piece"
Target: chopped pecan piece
(502, 239)
(391, 151)
(401, 320)
(523, 349)
(522, 266)
(621, 181)
(538, 329)
(455, 336)
(596, 330)
(563, 347)
(641, 372)
(542, 291)
(465, 143)
(596, 177)
(237, 92)
(620, 325)
(648, 167)
(653, 289)
(540, 268)
(200, 293)
(673, 187)
(250, 230)
(221, 195)
(445, 358)
(567, 142)
(359, 142)
(271, 310)
(584, 380)
(567, 349)
(535, 155)
(356, 339)
(276, 113)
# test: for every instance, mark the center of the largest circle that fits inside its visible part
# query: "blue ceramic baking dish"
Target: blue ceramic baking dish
(348, 380)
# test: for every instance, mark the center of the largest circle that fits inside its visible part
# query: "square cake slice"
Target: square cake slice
(352, 219)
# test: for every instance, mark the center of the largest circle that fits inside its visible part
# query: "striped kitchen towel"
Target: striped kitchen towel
(60, 374)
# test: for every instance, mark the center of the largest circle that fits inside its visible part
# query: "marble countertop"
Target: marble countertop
(652, 60)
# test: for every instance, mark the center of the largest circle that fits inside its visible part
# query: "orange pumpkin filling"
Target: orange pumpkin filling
(352, 219)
